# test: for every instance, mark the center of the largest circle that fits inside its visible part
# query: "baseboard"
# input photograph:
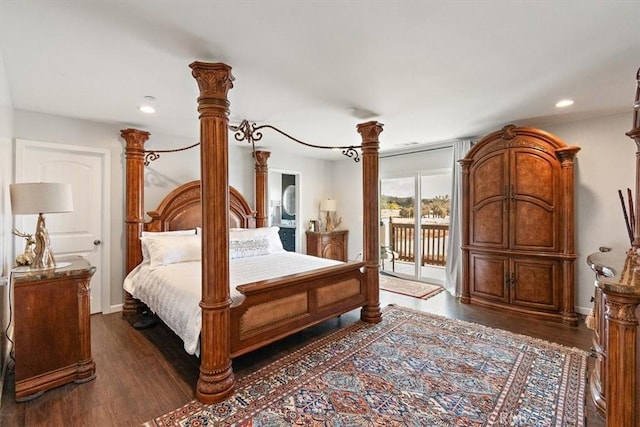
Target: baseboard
(113, 309)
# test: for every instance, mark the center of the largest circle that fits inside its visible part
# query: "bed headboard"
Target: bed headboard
(181, 210)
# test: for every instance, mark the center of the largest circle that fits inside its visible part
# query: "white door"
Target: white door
(84, 231)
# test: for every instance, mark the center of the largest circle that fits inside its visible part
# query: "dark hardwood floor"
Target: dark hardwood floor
(138, 380)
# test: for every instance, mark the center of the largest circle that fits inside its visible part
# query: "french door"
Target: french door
(414, 214)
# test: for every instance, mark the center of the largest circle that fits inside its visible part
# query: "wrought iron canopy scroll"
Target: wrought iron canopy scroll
(251, 133)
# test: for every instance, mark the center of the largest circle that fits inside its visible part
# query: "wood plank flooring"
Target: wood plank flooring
(143, 374)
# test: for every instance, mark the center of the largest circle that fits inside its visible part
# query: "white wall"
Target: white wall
(164, 174)
(6, 168)
(63, 130)
(314, 185)
(347, 185)
(605, 164)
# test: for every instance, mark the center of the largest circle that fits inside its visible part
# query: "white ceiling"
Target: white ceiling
(430, 71)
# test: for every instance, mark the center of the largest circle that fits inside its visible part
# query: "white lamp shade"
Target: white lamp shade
(328, 205)
(40, 197)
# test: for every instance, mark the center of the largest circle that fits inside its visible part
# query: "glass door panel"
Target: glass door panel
(414, 231)
(434, 225)
(397, 226)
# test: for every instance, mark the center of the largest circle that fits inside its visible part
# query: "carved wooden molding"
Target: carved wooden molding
(214, 79)
(621, 312)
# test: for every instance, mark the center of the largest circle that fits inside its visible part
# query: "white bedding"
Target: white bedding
(174, 291)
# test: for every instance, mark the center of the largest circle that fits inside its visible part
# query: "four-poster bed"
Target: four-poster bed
(270, 309)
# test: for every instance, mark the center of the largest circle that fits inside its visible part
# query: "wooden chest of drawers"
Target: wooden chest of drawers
(331, 245)
(52, 328)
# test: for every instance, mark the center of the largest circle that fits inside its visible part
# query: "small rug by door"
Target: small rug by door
(412, 368)
(408, 287)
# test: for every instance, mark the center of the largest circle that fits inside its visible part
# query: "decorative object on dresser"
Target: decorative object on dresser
(332, 244)
(52, 342)
(517, 223)
(39, 198)
(614, 381)
(329, 206)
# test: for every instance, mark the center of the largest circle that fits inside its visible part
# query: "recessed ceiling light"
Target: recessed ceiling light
(147, 109)
(564, 103)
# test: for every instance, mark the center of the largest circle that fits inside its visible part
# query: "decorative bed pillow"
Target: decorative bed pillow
(145, 251)
(170, 249)
(268, 233)
(244, 248)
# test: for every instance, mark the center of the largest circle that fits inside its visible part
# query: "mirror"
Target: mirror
(289, 200)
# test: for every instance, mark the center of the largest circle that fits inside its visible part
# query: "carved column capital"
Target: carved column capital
(261, 158)
(567, 155)
(621, 312)
(134, 140)
(214, 81)
(370, 132)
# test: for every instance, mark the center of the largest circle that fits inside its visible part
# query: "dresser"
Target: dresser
(614, 382)
(52, 329)
(331, 244)
(517, 223)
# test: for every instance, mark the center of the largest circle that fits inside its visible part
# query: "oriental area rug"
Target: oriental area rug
(411, 369)
(408, 287)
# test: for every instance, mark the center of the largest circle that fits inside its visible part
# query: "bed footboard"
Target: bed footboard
(273, 309)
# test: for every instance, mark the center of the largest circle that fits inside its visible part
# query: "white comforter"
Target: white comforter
(174, 291)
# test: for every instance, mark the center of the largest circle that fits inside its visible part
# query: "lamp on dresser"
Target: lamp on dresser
(328, 206)
(40, 198)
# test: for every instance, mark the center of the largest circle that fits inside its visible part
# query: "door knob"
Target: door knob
(97, 242)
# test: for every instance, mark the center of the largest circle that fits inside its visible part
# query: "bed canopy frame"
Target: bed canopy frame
(211, 203)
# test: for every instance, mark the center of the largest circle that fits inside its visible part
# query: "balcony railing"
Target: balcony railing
(433, 243)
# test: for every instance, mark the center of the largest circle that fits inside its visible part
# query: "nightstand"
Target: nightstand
(332, 244)
(52, 327)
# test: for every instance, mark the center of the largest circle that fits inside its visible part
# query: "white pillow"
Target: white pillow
(269, 233)
(244, 248)
(145, 251)
(170, 249)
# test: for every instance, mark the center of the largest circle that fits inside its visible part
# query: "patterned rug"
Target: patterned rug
(411, 369)
(408, 287)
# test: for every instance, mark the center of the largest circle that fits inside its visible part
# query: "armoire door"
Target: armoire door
(535, 283)
(489, 179)
(489, 276)
(533, 201)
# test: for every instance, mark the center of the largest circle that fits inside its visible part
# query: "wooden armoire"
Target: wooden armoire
(518, 223)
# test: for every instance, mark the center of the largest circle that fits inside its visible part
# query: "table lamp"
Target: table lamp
(328, 206)
(40, 198)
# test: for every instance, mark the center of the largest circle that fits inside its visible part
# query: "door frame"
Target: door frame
(105, 216)
(416, 175)
(299, 227)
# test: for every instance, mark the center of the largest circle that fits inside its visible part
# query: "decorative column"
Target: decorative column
(622, 370)
(634, 134)
(262, 181)
(567, 156)
(465, 164)
(216, 380)
(371, 219)
(134, 202)
(86, 369)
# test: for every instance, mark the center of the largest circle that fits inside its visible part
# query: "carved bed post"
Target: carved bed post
(134, 201)
(371, 219)
(261, 158)
(216, 380)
